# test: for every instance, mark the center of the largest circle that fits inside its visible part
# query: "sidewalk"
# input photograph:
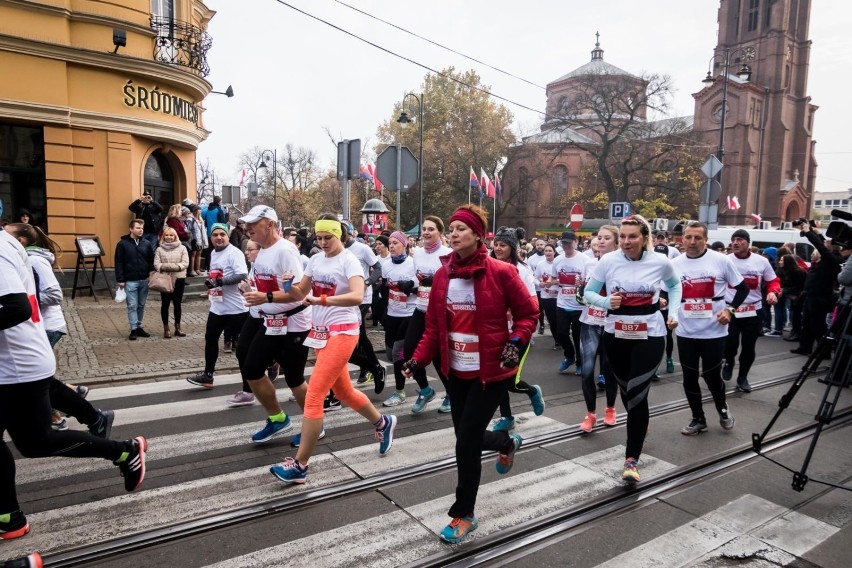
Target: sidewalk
(97, 351)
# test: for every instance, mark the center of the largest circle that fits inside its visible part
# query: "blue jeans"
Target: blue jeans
(151, 238)
(781, 313)
(137, 294)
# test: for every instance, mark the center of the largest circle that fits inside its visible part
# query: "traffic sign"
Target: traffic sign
(710, 191)
(386, 167)
(576, 220)
(711, 167)
(619, 210)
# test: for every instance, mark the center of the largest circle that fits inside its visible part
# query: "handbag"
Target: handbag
(160, 282)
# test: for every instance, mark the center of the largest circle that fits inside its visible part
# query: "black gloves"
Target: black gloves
(407, 286)
(411, 366)
(511, 356)
(426, 280)
(213, 283)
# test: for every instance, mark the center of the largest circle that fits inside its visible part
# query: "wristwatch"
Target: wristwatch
(269, 298)
(731, 309)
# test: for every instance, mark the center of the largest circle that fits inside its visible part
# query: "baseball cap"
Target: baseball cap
(662, 234)
(146, 192)
(259, 212)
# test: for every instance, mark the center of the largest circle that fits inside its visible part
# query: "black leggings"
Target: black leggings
(516, 386)
(175, 297)
(395, 332)
(632, 363)
(68, 401)
(473, 406)
(568, 330)
(256, 352)
(710, 352)
(413, 335)
(590, 343)
(25, 414)
(549, 307)
(748, 329)
(216, 324)
(540, 309)
(364, 355)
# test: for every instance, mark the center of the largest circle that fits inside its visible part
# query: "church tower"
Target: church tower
(768, 147)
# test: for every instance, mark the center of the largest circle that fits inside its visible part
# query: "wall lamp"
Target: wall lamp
(119, 38)
(229, 92)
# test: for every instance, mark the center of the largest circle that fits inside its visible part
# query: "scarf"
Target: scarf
(433, 247)
(469, 267)
(170, 246)
(399, 259)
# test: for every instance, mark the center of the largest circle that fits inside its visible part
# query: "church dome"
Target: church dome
(597, 66)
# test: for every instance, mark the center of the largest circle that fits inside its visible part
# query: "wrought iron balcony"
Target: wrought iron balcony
(181, 43)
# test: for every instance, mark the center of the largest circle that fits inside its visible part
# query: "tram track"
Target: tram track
(115, 548)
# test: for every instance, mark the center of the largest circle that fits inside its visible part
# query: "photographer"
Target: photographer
(149, 211)
(820, 282)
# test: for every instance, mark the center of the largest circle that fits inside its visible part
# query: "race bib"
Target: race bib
(698, 310)
(423, 297)
(215, 294)
(748, 311)
(276, 324)
(464, 351)
(317, 338)
(397, 296)
(597, 316)
(569, 291)
(631, 329)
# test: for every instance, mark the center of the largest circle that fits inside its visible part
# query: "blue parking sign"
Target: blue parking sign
(619, 210)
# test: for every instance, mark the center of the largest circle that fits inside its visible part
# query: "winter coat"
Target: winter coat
(49, 291)
(497, 288)
(199, 234)
(214, 214)
(171, 258)
(149, 213)
(133, 259)
(179, 226)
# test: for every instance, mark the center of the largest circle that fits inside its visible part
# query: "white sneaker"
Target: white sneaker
(241, 398)
(395, 399)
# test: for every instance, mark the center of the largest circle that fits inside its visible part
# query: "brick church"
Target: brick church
(768, 154)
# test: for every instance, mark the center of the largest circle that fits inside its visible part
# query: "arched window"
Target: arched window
(159, 179)
(523, 187)
(558, 189)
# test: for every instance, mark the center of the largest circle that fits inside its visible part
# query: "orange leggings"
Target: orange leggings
(332, 372)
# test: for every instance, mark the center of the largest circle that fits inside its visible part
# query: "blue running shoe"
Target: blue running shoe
(459, 529)
(384, 435)
(537, 400)
(504, 424)
(601, 383)
(506, 461)
(425, 397)
(446, 406)
(297, 439)
(271, 430)
(563, 367)
(579, 370)
(103, 427)
(289, 471)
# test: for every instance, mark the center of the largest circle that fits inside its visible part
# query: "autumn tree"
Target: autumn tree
(462, 127)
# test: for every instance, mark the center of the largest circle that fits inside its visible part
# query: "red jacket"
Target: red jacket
(497, 288)
(179, 228)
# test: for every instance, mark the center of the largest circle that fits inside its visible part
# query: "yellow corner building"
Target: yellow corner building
(98, 101)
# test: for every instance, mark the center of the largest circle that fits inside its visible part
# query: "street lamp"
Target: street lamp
(229, 92)
(404, 119)
(725, 58)
(262, 169)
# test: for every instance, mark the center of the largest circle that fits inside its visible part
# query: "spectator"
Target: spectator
(792, 287)
(134, 259)
(199, 242)
(172, 258)
(149, 211)
(189, 225)
(238, 236)
(174, 220)
(215, 213)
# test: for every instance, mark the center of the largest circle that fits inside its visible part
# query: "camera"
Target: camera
(799, 222)
(840, 232)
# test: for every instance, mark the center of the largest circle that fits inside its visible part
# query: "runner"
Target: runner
(549, 291)
(568, 271)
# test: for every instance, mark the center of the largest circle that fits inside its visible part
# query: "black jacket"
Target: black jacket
(133, 259)
(821, 279)
(150, 213)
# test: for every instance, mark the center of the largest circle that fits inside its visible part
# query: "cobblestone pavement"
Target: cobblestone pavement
(97, 351)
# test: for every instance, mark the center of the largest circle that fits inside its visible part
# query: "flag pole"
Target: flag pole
(494, 216)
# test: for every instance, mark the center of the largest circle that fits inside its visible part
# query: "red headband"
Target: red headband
(470, 219)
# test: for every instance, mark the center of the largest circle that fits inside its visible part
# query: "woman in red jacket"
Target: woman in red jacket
(466, 320)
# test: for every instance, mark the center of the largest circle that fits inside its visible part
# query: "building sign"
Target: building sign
(159, 101)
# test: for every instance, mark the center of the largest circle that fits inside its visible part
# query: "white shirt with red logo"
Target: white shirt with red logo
(593, 315)
(569, 272)
(266, 276)
(464, 339)
(400, 304)
(755, 270)
(542, 274)
(330, 276)
(368, 259)
(426, 264)
(703, 279)
(25, 353)
(638, 282)
(228, 299)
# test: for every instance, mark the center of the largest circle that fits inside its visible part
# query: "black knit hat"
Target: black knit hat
(741, 233)
(508, 236)
(384, 240)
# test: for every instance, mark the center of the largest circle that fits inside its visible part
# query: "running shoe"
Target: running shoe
(669, 365)
(201, 380)
(379, 379)
(459, 529)
(330, 404)
(289, 471)
(503, 424)
(424, 397)
(725, 419)
(132, 467)
(271, 430)
(384, 434)
(774, 333)
(742, 384)
(365, 377)
(273, 370)
(555, 347)
(103, 427)
(610, 416)
(541, 330)
(695, 427)
(397, 398)
(727, 371)
(17, 526)
(579, 370)
(631, 472)
(655, 377)
(82, 390)
(228, 347)
(142, 333)
(446, 407)
(537, 400)
(241, 398)
(297, 439)
(33, 560)
(588, 422)
(506, 461)
(563, 367)
(60, 425)
(601, 383)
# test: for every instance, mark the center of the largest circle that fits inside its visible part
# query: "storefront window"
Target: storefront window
(22, 184)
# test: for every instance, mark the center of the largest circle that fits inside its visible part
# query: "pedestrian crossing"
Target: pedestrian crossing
(406, 534)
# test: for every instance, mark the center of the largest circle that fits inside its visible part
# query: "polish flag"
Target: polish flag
(485, 183)
(243, 178)
(756, 217)
(474, 182)
(733, 203)
(498, 186)
(364, 172)
(374, 173)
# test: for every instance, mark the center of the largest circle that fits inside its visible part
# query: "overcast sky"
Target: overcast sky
(295, 77)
